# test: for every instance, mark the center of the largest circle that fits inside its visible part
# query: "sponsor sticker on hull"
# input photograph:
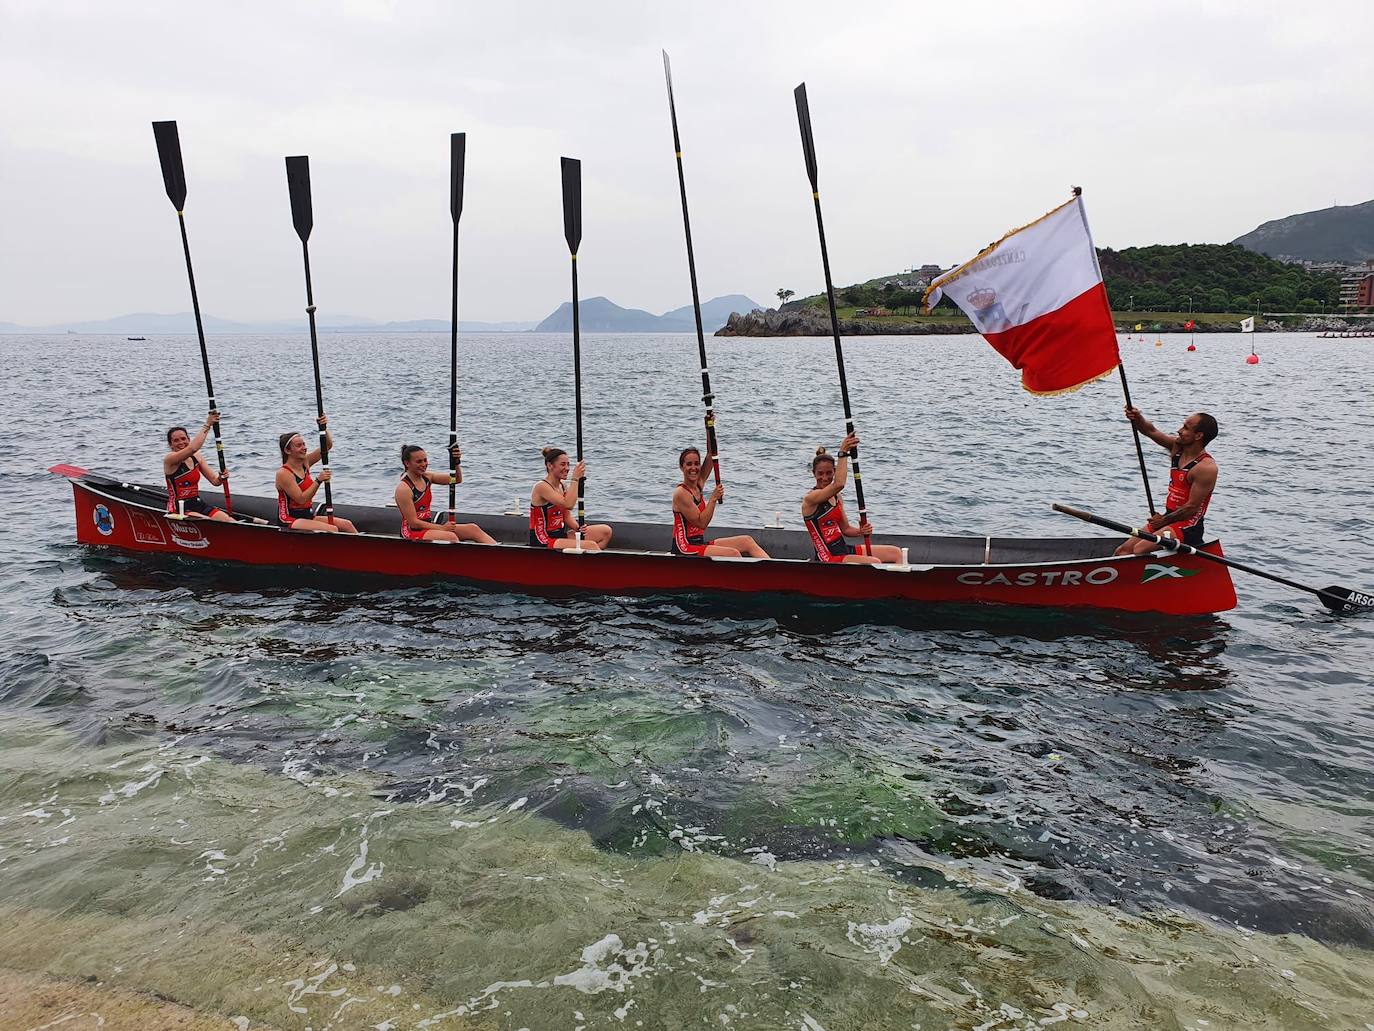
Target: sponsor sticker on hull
(187, 535)
(147, 527)
(104, 520)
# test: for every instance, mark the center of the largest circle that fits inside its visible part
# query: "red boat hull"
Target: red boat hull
(1177, 585)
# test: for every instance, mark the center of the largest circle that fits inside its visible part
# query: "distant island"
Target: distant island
(600, 315)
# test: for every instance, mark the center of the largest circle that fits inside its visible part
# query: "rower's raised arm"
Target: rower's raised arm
(1137, 419)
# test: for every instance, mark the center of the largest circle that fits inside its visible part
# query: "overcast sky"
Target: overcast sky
(938, 127)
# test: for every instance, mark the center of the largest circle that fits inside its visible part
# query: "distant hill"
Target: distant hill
(1344, 233)
(181, 323)
(601, 315)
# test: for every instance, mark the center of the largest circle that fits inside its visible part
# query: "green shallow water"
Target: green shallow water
(314, 902)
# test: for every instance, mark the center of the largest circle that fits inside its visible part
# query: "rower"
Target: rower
(296, 488)
(692, 513)
(182, 468)
(1192, 478)
(414, 497)
(823, 512)
(551, 503)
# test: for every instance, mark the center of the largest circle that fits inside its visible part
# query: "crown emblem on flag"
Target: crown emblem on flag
(982, 298)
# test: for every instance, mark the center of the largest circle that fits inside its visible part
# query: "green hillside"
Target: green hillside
(1161, 277)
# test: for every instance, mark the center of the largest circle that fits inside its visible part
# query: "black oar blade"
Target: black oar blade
(808, 144)
(458, 149)
(169, 154)
(1343, 599)
(298, 181)
(572, 203)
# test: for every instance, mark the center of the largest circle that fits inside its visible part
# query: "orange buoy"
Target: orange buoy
(1159, 343)
(1252, 359)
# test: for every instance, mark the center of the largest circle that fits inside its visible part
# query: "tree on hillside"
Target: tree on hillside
(784, 295)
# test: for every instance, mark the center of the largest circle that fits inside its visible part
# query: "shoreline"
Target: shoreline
(810, 322)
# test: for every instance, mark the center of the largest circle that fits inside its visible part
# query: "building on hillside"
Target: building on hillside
(1357, 288)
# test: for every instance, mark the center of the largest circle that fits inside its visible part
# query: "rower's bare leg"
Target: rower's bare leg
(472, 532)
(599, 534)
(344, 525)
(887, 553)
(1136, 546)
(743, 543)
(564, 543)
(719, 550)
(315, 526)
(439, 535)
(861, 560)
(219, 515)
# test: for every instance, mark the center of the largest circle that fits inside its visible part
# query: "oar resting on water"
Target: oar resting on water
(1337, 599)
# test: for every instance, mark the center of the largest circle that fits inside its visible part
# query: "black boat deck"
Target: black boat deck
(655, 537)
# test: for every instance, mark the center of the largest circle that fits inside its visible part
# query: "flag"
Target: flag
(1188, 324)
(1247, 325)
(1037, 297)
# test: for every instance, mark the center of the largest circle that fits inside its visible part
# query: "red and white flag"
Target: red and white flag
(1036, 295)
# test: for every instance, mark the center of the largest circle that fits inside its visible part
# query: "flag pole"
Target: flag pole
(1120, 365)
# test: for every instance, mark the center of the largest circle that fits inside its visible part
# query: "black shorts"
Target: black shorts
(194, 506)
(552, 535)
(1195, 535)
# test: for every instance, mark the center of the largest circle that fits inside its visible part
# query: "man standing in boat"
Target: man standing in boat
(1192, 478)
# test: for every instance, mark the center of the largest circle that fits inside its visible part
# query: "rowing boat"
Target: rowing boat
(1078, 572)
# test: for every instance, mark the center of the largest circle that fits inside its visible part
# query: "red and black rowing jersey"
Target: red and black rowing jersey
(183, 483)
(546, 525)
(1190, 531)
(689, 539)
(826, 527)
(424, 503)
(288, 513)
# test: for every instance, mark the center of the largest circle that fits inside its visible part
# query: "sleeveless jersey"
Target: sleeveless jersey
(1179, 489)
(546, 525)
(826, 527)
(689, 539)
(424, 502)
(288, 513)
(183, 483)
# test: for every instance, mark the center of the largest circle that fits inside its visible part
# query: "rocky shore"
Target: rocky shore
(815, 322)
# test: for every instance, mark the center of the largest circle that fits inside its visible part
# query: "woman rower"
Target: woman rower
(823, 511)
(183, 466)
(296, 488)
(415, 499)
(692, 513)
(551, 518)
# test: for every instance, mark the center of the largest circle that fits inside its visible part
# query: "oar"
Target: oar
(707, 398)
(809, 153)
(1337, 599)
(572, 232)
(298, 182)
(458, 143)
(174, 178)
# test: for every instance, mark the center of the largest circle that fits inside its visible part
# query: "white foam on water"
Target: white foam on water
(132, 788)
(766, 859)
(810, 1023)
(884, 940)
(519, 803)
(352, 878)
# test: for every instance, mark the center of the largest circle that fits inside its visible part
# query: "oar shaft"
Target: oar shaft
(205, 360)
(1135, 432)
(707, 396)
(839, 364)
(1188, 549)
(577, 390)
(453, 392)
(319, 387)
